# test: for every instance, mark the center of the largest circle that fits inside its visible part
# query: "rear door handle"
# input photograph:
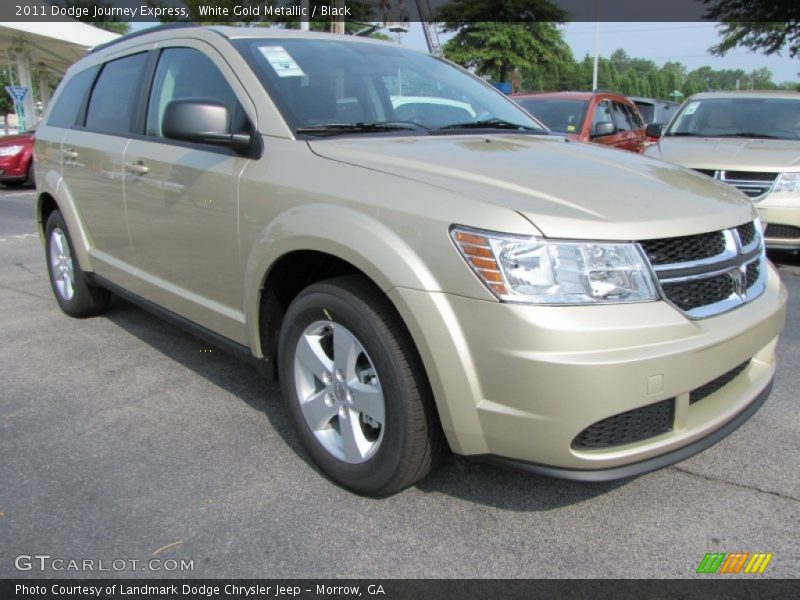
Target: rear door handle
(138, 167)
(69, 153)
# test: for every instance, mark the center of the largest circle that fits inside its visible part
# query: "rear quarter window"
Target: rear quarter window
(69, 102)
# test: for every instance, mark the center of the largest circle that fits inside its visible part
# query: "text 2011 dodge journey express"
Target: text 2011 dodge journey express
(452, 275)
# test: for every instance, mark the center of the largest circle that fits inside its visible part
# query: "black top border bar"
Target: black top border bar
(381, 11)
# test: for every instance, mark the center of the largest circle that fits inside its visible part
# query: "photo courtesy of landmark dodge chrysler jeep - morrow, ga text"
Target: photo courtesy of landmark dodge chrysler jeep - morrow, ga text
(413, 282)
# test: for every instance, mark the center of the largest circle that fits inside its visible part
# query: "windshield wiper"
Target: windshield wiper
(751, 134)
(491, 124)
(683, 134)
(376, 127)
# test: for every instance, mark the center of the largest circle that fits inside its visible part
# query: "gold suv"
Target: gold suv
(450, 275)
(750, 140)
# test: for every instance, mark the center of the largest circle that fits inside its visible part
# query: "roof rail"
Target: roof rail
(135, 34)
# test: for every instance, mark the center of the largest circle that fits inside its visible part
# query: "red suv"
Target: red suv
(16, 158)
(599, 117)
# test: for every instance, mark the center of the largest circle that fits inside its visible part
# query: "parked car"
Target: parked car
(16, 158)
(654, 110)
(750, 140)
(548, 305)
(600, 117)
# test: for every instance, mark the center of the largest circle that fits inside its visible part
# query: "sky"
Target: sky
(687, 42)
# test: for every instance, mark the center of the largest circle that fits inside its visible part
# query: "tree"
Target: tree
(116, 24)
(759, 25)
(495, 49)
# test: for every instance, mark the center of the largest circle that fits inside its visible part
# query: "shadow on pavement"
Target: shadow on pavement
(454, 476)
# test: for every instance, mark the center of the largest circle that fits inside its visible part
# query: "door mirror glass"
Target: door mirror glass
(603, 128)
(202, 123)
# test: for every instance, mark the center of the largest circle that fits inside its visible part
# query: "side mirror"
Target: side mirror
(202, 122)
(603, 128)
(653, 130)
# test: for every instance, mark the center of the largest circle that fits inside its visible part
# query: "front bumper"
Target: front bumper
(782, 210)
(521, 382)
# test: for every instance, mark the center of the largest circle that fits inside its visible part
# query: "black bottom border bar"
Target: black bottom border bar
(704, 586)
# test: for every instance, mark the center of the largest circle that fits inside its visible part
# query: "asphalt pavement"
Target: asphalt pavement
(123, 438)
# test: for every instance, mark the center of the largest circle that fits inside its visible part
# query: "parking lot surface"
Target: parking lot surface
(123, 438)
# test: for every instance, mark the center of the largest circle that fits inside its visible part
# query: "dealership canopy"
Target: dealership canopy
(43, 49)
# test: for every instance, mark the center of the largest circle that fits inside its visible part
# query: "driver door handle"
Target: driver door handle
(138, 167)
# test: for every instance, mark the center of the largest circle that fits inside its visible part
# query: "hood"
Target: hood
(732, 154)
(566, 189)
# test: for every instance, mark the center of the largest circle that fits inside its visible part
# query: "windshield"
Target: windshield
(563, 116)
(319, 83)
(769, 118)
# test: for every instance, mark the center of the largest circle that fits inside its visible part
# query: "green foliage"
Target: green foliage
(759, 25)
(495, 49)
(6, 104)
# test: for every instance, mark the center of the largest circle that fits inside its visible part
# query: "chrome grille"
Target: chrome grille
(754, 184)
(711, 273)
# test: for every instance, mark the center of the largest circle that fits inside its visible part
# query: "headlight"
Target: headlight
(536, 271)
(787, 182)
(10, 150)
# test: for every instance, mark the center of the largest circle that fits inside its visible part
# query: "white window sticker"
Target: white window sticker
(280, 60)
(690, 110)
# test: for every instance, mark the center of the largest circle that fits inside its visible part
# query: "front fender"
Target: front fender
(348, 234)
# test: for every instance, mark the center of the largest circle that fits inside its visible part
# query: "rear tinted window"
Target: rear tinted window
(648, 111)
(114, 94)
(69, 102)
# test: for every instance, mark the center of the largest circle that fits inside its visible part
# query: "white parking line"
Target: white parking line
(22, 236)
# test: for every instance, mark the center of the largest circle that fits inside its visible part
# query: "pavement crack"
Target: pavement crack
(25, 292)
(24, 268)
(735, 484)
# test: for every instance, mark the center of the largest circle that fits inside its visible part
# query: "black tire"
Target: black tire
(412, 436)
(86, 300)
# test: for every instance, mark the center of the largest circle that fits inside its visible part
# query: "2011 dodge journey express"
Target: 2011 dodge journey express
(415, 273)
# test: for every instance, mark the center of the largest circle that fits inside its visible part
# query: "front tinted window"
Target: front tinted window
(184, 73)
(69, 102)
(739, 117)
(327, 81)
(564, 116)
(114, 95)
(622, 118)
(635, 116)
(602, 113)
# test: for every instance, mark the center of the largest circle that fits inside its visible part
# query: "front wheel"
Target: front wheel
(355, 388)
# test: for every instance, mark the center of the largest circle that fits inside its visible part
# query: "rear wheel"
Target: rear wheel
(355, 388)
(74, 294)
